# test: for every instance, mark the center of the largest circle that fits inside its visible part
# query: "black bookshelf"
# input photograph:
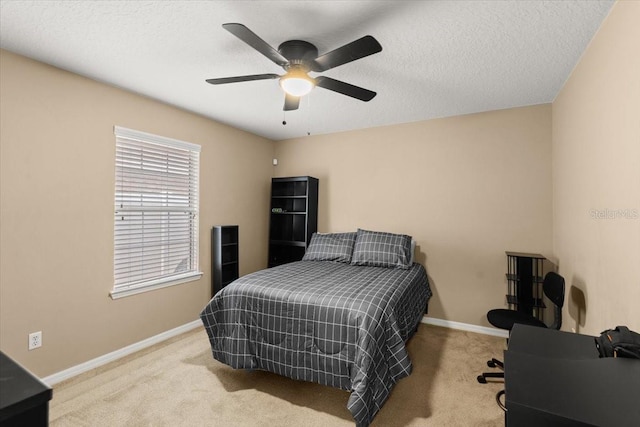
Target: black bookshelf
(293, 218)
(525, 276)
(224, 256)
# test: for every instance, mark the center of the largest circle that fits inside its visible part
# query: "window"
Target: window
(156, 212)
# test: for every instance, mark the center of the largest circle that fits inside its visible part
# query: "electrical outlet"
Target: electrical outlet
(35, 340)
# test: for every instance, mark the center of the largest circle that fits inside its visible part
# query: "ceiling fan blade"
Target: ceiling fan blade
(360, 48)
(250, 38)
(345, 88)
(237, 79)
(291, 102)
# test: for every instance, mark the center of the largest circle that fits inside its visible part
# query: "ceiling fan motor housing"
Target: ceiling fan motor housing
(298, 52)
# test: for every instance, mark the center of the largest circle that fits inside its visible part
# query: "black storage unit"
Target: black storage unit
(524, 283)
(224, 254)
(294, 218)
(24, 399)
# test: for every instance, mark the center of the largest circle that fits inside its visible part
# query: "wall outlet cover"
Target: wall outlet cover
(35, 340)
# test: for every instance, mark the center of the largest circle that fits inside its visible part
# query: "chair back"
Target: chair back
(553, 287)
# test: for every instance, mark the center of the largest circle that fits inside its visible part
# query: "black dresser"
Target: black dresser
(24, 399)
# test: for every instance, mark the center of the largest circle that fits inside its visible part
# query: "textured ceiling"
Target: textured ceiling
(439, 58)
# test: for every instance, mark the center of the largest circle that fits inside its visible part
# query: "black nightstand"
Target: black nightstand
(24, 399)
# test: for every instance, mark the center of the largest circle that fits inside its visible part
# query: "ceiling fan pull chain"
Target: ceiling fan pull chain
(309, 115)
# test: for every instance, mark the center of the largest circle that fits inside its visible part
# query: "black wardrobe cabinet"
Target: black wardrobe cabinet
(224, 256)
(294, 218)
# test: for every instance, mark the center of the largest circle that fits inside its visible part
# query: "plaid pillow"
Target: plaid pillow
(379, 249)
(330, 247)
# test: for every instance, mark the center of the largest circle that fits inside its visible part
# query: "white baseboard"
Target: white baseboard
(465, 327)
(115, 355)
(125, 351)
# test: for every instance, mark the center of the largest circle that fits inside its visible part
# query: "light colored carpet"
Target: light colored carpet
(178, 383)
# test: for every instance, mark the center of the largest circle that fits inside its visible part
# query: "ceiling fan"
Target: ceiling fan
(298, 58)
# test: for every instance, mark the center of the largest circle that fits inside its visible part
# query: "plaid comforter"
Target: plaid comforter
(327, 322)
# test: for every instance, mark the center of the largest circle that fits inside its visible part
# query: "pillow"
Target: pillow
(330, 247)
(379, 249)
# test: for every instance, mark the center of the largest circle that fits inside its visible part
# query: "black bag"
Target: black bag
(619, 342)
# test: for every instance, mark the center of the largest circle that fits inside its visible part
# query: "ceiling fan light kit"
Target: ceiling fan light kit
(298, 57)
(297, 83)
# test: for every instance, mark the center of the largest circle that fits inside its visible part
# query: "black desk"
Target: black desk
(24, 399)
(555, 378)
(551, 343)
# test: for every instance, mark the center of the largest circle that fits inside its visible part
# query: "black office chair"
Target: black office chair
(553, 288)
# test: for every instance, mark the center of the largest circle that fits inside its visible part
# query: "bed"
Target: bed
(340, 317)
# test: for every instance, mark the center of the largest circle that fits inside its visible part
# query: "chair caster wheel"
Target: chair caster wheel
(491, 364)
(482, 379)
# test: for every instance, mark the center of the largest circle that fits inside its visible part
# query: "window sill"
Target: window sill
(139, 288)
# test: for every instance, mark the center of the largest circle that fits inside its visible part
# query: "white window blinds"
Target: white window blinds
(156, 212)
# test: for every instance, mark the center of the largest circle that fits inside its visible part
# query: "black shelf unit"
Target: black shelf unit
(293, 218)
(224, 256)
(525, 276)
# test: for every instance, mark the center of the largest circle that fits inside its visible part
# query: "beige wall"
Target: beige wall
(56, 218)
(596, 178)
(466, 188)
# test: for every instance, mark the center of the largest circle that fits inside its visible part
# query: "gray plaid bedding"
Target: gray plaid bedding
(331, 323)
